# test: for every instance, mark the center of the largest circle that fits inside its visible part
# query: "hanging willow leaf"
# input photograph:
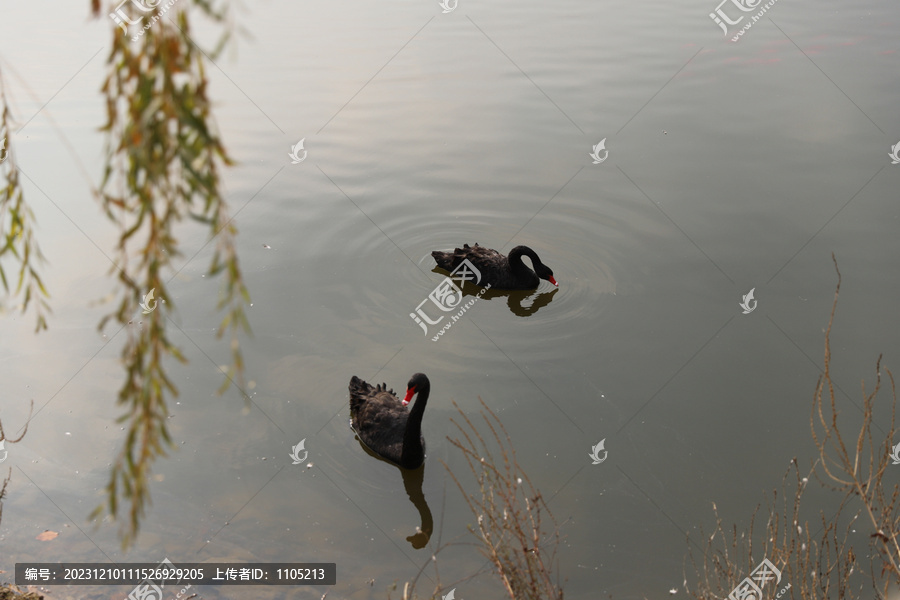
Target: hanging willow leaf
(164, 157)
(17, 238)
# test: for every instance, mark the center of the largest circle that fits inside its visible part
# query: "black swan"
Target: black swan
(385, 425)
(501, 272)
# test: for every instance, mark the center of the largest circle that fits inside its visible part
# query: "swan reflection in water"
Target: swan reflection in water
(412, 482)
(516, 300)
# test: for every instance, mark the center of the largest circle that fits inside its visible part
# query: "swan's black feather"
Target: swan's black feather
(387, 427)
(502, 272)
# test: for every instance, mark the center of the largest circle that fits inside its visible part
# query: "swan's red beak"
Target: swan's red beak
(553, 281)
(409, 395)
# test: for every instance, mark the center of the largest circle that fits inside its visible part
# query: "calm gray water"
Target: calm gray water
(730, 166)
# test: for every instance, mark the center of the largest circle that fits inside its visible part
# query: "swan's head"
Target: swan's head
(544, 272)
(417, 383)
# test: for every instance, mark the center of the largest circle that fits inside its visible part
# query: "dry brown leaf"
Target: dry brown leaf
(47, 536)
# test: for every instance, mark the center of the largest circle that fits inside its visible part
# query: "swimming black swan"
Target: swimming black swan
(501, 272)
(385, 425)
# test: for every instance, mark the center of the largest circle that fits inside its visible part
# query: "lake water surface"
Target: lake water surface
(731, 166)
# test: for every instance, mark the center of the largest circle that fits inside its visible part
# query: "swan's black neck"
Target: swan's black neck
(515, 259)
(413, 453)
